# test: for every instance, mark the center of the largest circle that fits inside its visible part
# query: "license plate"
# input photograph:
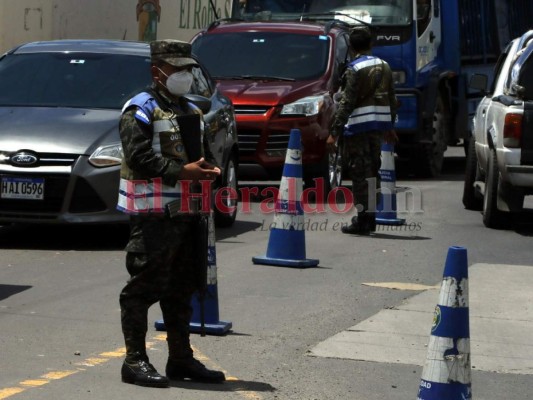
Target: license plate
(22, 188)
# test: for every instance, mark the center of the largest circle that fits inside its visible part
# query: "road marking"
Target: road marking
(103, 358)
(500, 325)
(34, 382)
(91, 362)
(8, 392)
(400, 285)
(57, 375)
(247, 394)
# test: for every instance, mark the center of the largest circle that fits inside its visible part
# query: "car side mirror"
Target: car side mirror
(203, 103)
(479, 82)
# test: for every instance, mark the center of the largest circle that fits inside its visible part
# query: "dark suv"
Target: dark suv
(279, 75)
(60, 151)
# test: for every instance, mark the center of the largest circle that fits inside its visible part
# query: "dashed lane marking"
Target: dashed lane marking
(57, 375)
(102, 358)
(8, 392)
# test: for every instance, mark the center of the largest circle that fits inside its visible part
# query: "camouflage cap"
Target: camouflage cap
(361, 31)
(174, 52)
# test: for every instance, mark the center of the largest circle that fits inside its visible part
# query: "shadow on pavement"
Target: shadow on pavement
(10, 290)
(64, 237)
(238, 228)
(227, 386)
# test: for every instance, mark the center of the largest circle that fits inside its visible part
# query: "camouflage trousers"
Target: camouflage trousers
(361, 157)
(161, 262)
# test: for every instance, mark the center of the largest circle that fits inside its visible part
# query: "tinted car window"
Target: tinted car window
(200, 83)
(72, 80)
(526, 78)
(263, 54)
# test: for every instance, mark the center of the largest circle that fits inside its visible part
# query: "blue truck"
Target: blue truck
(433, 47)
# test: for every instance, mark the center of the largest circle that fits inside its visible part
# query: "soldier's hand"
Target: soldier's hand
(199, 170)
(331, 144)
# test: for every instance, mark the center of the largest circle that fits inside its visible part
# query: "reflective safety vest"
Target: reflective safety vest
(138, 194)
(373, 112)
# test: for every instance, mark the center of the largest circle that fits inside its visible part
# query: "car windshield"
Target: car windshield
(263, 55)
(380, 12)
(72, 79)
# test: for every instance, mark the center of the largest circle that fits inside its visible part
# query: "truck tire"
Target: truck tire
(229, 179)
(430, 157)
(492, 217)
(471, 198)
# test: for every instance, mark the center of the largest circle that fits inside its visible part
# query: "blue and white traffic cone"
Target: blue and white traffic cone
(447, 372)
(386, 209)
(286, 245)
(212, 324)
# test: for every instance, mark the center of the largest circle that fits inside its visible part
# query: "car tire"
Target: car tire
(229, 179)
(492, 217)
(512, 196)
(472, 200)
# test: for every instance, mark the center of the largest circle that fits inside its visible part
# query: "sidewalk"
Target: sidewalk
(501, 322)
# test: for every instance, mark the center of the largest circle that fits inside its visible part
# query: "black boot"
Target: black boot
(141, 372)
(191, 368)
(359, 226)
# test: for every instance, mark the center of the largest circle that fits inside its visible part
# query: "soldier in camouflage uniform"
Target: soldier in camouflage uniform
(160, 253)
(364, 117)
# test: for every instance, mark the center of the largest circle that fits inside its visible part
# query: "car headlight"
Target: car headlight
(398, 77)
(107, 156)
(307, 106)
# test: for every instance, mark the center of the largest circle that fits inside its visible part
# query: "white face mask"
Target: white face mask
(179, 83)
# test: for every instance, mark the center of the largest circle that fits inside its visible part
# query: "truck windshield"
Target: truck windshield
(378, 12)
(263, 55)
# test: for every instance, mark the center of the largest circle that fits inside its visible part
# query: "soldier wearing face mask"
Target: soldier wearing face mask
(159, 254)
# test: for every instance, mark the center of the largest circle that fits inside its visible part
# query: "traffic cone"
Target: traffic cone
(286, 245)
(212, 324)
(446, 374)
(386, 209)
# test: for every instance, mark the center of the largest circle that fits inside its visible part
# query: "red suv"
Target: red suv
(279, 76)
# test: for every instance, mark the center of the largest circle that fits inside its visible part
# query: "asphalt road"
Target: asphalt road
(60, 333)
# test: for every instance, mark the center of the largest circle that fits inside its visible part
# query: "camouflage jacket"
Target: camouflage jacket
(153, 152)
(368, 101)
